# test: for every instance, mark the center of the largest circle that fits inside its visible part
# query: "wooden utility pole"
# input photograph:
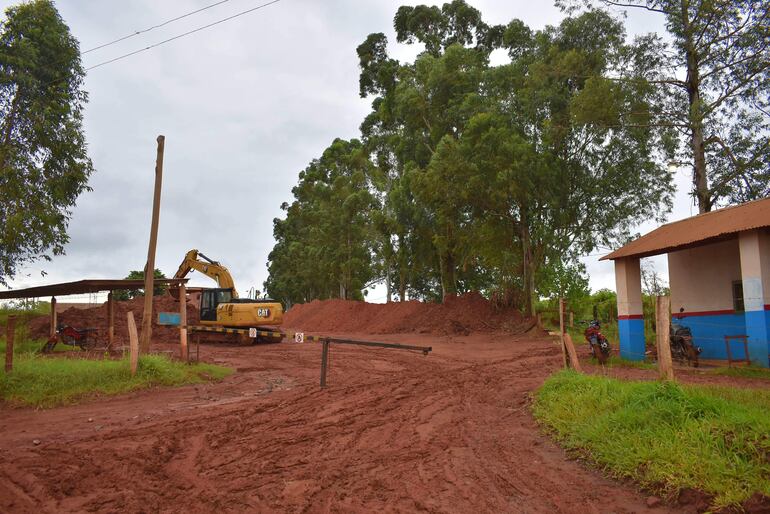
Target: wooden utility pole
(133, 343)
(52, 331)
(149, 270)
(662, 314)
(10, 332)
(183, 321)
(565, 361)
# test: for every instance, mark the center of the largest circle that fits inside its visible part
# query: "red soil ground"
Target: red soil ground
(464, 314)
(394, 431)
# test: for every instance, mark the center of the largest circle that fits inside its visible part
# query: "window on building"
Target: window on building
(738, 296)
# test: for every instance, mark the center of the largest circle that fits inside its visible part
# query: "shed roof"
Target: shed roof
(82, 287)
(698, 230)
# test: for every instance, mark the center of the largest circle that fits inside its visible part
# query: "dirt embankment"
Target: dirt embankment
(96, 318)
(458, 315)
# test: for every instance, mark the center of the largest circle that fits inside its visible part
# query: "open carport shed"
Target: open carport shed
(719, 273)
(92, 286)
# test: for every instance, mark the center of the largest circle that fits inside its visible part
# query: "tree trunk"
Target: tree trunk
(448, 265)
(527, 265)
(388, 284)
(401, 270)
(448, 275)
(700, 177)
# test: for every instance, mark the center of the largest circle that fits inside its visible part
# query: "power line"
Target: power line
(183, 35)
(136, 33)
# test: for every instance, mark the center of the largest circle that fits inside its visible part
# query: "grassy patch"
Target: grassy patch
(742, 372)
(48, 382)
(663, 435)
(616, 362)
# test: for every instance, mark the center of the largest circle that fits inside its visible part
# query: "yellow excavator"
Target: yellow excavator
(220, 307)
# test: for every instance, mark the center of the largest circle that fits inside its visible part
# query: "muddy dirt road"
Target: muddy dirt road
(394, 431)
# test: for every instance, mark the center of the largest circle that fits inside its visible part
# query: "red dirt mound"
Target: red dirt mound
(464, 314)
(96, 318)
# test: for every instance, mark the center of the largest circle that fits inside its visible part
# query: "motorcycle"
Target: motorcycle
(65, 334)
(682, 347)
(596, 340)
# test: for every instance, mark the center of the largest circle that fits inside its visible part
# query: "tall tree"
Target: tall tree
(716, 81)
(44, 166)
(323, 246)
(128, 294)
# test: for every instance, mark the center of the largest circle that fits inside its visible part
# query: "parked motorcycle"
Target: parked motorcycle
(600, 347)
(682, 347)
(65, 334)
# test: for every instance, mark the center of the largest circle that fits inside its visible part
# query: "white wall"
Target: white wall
(701, 278)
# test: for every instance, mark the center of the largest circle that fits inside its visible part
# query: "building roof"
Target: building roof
(82, 287)
(697, 230)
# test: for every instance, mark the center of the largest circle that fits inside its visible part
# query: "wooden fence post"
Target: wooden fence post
(133, 339)
(324, 362)
(662, 314)
(571, 319)
(572, 353)
(149, 270)
(565, 361)
(10, 332)
(54, 319)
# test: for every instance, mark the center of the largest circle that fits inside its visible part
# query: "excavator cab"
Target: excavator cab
(210, 299)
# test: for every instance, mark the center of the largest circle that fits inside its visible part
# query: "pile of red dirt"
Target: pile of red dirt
(464, 314)
(96, 318)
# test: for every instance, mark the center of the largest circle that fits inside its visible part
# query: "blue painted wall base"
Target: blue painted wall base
(709, 333)
(631, 333)
(758, 330)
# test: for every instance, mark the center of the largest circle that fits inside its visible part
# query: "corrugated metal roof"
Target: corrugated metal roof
(706, 227)
(82, 287)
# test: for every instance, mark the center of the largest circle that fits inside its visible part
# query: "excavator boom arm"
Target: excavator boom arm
(208, 267)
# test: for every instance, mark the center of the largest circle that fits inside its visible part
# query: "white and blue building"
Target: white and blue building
(719, 275)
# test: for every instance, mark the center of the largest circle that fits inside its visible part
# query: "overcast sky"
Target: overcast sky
(244, 106)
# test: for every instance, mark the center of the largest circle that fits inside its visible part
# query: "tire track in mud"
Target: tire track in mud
(394, 431)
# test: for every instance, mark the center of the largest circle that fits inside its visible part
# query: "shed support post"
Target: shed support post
(755, 276)
(628, 281)
(110, 320)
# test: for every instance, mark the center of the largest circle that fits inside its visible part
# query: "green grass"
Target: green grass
(47, 382)
(616, 362)
(664, 436)
(742, 372)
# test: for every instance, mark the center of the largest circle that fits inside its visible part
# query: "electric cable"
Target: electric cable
(183, 35)
(142, 31)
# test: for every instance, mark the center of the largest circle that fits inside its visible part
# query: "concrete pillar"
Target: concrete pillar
(628, 282)
(755, 271)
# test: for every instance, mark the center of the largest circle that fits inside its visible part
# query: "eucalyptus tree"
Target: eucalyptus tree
(44, 166)
(715, 80)
(419, 109)
(563, 155)
(323, 246)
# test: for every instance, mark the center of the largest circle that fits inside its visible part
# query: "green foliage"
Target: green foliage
(44, 166)
(128, 294)
(48, 382)
(493, 178)
(324, 246)
(712, 87)
(665, 436)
